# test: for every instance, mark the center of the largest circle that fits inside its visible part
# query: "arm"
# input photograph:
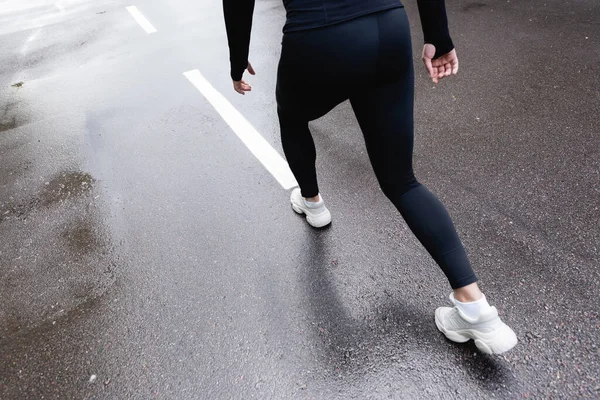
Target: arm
(435, 25)
(238, 22)
(439, 55)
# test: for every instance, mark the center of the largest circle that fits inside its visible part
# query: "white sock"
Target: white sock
(473, 309)
(313, 204)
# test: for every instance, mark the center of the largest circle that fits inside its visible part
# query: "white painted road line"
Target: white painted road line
(139, 17)
(261, 149)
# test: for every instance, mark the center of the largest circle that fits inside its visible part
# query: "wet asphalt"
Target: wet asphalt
(145, 252)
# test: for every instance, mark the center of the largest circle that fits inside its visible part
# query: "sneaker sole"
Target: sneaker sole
(320, 222)
(498, 342)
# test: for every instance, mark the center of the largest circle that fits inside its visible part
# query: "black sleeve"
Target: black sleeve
(238, 22)
(435, 25)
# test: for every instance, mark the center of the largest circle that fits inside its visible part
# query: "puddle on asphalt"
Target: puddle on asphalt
(82, 238)
(8, 117)
(68, 184)
(8, 125)
(78, 253)
(9, 210)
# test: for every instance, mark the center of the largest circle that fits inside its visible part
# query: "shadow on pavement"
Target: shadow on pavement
(389, 335)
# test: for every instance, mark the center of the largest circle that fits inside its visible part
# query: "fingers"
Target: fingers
(448, 69)
(241, 87)
(250, 69)
(444, 66)
(443, 69)
(438, 69)
(439, 73)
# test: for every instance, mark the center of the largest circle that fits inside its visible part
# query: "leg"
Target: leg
(297, 104)
(296, 139)
(299, 149)
(385, 115)
(309, 85)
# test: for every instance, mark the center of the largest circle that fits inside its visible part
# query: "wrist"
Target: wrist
(442, 47)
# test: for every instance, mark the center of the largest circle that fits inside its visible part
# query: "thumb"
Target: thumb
(428, 50)
(428, 66)
(250, 69)
(428, 54)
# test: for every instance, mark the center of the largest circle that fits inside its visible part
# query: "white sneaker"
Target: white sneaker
(491, 335)
(317, 215)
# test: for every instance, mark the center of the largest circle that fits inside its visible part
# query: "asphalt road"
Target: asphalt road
(146, 253)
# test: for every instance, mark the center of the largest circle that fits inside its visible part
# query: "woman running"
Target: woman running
(335, 50)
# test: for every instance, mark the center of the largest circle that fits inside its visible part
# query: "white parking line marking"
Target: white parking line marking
(139, 17)
(261, 149)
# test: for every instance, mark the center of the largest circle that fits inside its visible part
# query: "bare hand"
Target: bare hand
(241, 86)
(440, 67)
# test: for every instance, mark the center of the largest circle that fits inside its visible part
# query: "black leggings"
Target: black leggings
(369, 61)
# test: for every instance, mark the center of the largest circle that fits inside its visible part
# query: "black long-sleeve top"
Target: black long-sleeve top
(310, 14)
